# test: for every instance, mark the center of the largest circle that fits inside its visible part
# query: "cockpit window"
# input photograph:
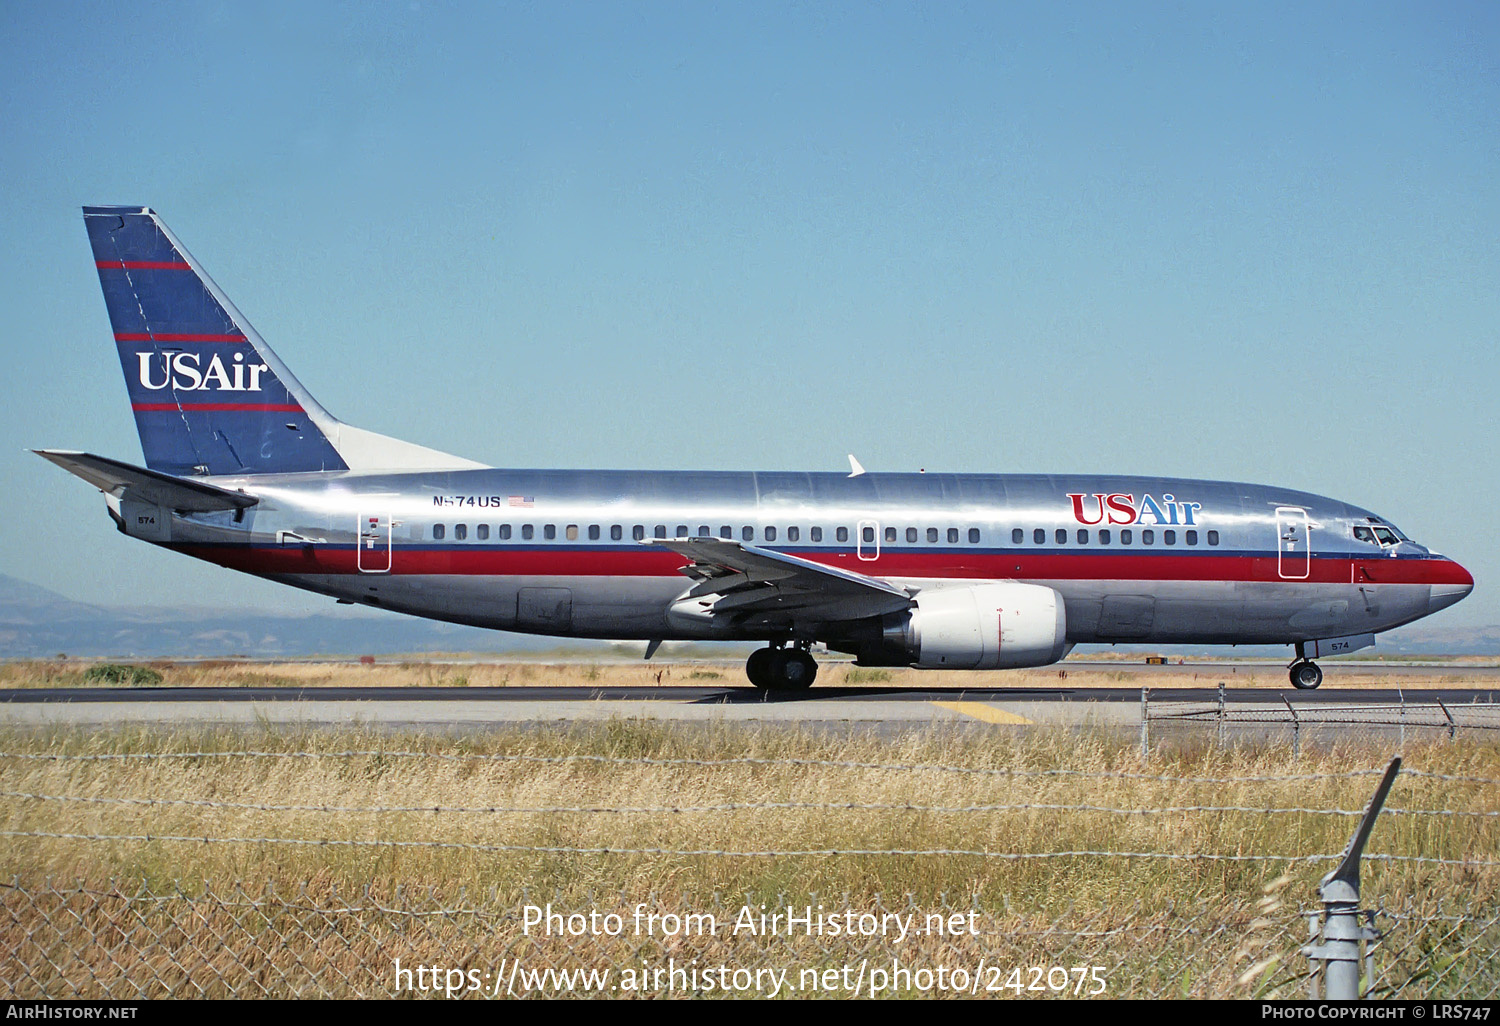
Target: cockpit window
(1364, 534)
(1386, 536)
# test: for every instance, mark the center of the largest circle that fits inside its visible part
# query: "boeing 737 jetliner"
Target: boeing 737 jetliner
(938, 571)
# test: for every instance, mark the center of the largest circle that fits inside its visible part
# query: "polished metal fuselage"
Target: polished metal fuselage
(1225, 562)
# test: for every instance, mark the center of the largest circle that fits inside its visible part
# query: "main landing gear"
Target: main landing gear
(781, 669)
(1304, 673)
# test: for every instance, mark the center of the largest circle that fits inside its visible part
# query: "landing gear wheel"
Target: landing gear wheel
(758, 667)
(792, 669)
(1306, 675)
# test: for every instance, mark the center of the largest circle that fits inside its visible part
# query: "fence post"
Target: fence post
(1296, 729)
(1452, 727)
(1342, 930)
(1314, 980)
(1145, 731)
(1402, 695)
(1221, 714)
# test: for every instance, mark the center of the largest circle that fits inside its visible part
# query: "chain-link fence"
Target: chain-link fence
(1215, 840)
(1413, 718)
(126, 942)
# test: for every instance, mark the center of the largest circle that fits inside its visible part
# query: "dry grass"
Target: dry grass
(520, 673)
(383, 780)
(1170, 911)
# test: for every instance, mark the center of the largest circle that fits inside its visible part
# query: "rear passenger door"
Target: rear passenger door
(373, 550)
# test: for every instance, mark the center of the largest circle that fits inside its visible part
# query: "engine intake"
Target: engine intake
(985, 627)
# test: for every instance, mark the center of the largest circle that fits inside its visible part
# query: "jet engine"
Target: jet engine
(985, 627)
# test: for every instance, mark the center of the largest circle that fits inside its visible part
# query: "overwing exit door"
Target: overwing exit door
(1293, 553)
(373, 552)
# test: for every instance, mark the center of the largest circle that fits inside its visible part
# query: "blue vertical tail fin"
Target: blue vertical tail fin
(209, 396)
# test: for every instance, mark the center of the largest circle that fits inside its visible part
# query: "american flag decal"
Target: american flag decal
(523, 501)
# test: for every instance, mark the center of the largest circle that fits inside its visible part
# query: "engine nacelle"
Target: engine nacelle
(984, 627)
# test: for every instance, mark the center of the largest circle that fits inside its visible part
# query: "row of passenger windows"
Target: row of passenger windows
(1104, 537)
(572, 532)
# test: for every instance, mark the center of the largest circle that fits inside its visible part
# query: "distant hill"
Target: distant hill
(25, 604)
(37, 623)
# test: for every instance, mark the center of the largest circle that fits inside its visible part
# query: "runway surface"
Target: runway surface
(736, 695)
(477, 708)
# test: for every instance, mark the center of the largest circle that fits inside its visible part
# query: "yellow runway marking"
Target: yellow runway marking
(980, 711)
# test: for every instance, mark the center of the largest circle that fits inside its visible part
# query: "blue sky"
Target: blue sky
(1254, 243)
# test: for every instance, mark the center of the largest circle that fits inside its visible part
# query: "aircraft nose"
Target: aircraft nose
(1456, 582)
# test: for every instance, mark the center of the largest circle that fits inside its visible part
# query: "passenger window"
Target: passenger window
(973, 536)
(505, 532)
(842, 534)
(770, 534)
(638, 532)
(1213, 537)
(616, 532)
(528, 531)
(952, 536)
(682, 531)
(890, 534)
(482, 532)
(660, 531)
(869, 535)
(1191, 537)
(932, 535)
(726, 531)
(815, 534)
(1104, 536)
(1061, 536)
(438, 530)
(593, 532)
(747, 533)
(1148, 537)
(1083, 536)
(572, 532)
(704, 532)
(1017, 536)
(1039, 537)
(460, 532)
(911, 535)
(1125, 535)
(549, 532)
(793, 534)
(1169, 537)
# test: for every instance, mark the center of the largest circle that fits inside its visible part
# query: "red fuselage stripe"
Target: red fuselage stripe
(494, 562)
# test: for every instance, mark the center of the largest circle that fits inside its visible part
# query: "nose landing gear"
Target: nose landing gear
(781, 669)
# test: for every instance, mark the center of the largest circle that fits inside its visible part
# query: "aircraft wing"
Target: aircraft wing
(752, 584)
(125, 480)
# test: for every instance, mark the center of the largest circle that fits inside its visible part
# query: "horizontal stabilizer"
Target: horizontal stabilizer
(122, 480)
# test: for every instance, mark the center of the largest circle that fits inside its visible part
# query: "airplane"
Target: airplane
(245, 469)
